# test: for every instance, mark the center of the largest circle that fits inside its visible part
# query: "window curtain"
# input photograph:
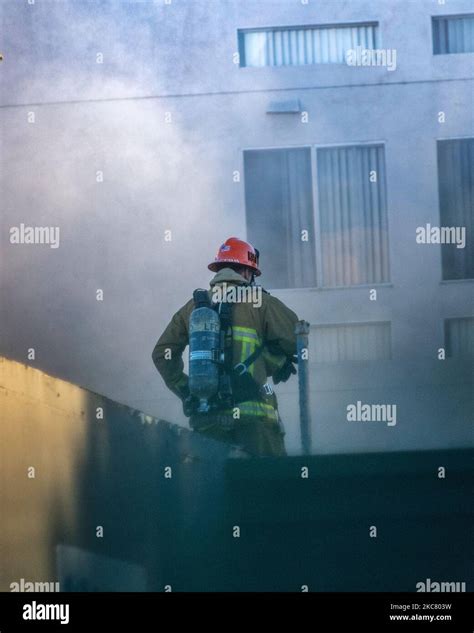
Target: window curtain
(353, 215)
(456, 202)
(459, 335)
(279, 207)
(453, 35)
(351, 342)
(302, 46)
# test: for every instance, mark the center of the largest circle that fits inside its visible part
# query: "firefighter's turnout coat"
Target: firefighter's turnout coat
(256, 427)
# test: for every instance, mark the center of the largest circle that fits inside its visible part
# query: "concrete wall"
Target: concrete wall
(162, 533)
(178, 176)
(107, 473)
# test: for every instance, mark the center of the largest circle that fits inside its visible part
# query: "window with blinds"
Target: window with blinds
(343, 240)
(456, 204)
(459, 337)
(279, 208)
(350, 342)
(303, 45)
(353, 215)
(453, 34)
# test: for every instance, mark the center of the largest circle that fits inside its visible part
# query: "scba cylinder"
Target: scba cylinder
(204, 333)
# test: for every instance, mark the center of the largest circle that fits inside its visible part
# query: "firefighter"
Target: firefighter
(261, 343)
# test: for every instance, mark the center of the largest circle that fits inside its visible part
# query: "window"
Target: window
(302, 45)
(453, 34)
(350, 242)
(350, 342)
(353, 215)
(456, 202)
(459, 337)
(279, 206)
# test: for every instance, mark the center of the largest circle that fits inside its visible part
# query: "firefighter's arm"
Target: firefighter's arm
(280, 338)
(168, 354)
(279, 327)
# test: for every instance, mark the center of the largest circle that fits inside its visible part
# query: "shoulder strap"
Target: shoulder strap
(242, 368)
(224, 310)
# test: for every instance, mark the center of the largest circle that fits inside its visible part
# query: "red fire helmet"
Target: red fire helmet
(235, 251)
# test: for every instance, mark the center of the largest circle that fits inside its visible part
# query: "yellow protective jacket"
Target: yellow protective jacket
(272, 324)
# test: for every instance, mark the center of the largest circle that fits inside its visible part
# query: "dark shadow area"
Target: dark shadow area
(294, 531)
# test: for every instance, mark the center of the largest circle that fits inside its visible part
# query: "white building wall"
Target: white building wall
(161, 173)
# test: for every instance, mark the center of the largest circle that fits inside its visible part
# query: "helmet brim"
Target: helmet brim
(216, 266)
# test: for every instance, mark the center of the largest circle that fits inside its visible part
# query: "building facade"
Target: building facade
(336, 136)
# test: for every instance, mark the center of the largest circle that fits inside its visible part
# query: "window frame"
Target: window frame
(441, 272)
(445, 336)
(332, 25)
(433, 19)
(313, 147)
(336, 324)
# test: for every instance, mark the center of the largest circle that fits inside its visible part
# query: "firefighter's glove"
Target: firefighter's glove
(286, 370)
(190, 405)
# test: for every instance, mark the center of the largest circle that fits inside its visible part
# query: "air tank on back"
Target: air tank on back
(204, 338)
